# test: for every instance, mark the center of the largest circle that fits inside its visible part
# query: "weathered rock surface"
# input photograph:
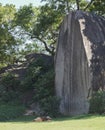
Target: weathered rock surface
(21, 68)
(79, 32)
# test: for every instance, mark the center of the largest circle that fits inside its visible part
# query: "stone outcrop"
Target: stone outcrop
(20, 69)
(79, 32)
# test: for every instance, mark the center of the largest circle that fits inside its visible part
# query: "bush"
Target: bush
(97, 102)
(9, 82)
(10, 96)
(9, 87)
(8, 112)
(50, 106)
(44, 94)
(35, 71)
(40, 79)
(44, 87)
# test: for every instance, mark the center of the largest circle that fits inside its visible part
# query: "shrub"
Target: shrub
(35, 71)
(9, 82)
(9, 86)
(97, 102)
(50, 106)
(8, 112)
(40, 79)
(44, 94)
(44, 87)
(9, 96)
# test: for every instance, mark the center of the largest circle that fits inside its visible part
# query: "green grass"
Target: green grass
(89, 122)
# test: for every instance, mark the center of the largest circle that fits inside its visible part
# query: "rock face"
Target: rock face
(79, 32)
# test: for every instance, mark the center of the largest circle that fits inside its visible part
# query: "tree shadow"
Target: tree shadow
(80, 117)
(21, 119)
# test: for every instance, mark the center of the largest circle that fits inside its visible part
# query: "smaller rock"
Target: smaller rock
(38, 119)
(44, 118)
(29, 113)
(49, 118)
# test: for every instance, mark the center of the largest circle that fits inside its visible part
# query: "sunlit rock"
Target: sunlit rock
(79, 32)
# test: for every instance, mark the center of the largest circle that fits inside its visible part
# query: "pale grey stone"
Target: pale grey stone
(79, 31)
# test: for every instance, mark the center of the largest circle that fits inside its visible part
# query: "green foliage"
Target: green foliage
(24, 16)
(8, 87)
(64, 6)
(50, 106)
(7, 40)
(10, 106)
(44, 94)
(44, 87)
(97, 102)
(10, 82)
(31, 48)
(8, 112)
(98, 7)
(35, 71)
(40, 79)
(10, 96)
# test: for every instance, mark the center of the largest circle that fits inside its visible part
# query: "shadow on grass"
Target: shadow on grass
(29, 119)
(22, 119)
(80, 117)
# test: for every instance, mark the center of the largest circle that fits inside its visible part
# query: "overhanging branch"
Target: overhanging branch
(77, 3)
(45, 45)
(88, 5)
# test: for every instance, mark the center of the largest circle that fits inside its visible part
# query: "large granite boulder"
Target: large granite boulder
(80, 31)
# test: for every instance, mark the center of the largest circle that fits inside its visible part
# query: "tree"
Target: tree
(39, 24)
(98, 6)
(25, 18)
(77, 3)
(42, 24)
(15, 27)
(7, 40)
(69, 5)
(47, 25)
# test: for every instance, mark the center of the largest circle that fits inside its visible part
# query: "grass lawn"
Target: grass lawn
(89, 122)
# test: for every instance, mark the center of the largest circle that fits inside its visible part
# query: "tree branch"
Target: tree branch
(45, 45)
(88, 5)
(51, 51)
(77, 3)
(67, 5)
